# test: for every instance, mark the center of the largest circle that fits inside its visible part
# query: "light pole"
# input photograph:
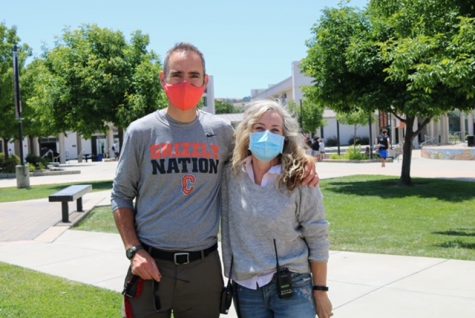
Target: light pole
(21, 171)
(301, 115)
(370, 138)
(338, 136)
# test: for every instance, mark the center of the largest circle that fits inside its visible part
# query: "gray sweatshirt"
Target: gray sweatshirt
(174, 173)
(253, 216)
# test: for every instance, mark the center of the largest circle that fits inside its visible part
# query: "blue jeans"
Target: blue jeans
(265, 303)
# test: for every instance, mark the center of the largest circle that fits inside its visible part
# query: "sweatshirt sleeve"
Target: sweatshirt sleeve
(314, 226)
(125, 185)
(225, 241)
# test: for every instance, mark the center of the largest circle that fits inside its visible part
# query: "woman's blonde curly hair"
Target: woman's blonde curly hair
(293, 158)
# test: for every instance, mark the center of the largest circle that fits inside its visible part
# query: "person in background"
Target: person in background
(316, 147)
(383, 144)
(273, 229)
(165, 197)
(321, 152)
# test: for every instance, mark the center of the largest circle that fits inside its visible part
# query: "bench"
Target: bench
(87, 156)
(71, 193)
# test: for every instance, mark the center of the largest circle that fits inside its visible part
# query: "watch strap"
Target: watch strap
(320, 288)
(130, 253)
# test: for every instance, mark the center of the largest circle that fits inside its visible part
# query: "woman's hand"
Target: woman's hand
(324, 305)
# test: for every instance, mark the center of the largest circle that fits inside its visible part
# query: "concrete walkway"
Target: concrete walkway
(362, 285)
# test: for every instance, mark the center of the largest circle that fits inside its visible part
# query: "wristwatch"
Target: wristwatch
(130, 252)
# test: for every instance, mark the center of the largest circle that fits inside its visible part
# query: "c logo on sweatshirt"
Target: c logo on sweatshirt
(187, 184)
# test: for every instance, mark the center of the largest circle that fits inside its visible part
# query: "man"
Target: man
(316, 147)
(171, 164)
(383, 144)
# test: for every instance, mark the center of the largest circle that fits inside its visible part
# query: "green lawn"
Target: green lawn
(367, 214)
(98, 220)
(43, 191)
(26, 293)
(375, 214)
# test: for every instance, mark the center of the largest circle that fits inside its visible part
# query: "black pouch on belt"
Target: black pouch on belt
(227, 294)
(130, 284)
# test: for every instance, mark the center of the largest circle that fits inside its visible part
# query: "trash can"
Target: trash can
(471, 141)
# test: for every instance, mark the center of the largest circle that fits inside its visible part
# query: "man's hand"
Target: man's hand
(310, 177)
(144, 265)
(324, 305)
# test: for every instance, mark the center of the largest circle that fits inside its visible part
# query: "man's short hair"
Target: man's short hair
(183, 46)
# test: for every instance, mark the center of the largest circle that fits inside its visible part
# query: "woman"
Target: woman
(274, 232)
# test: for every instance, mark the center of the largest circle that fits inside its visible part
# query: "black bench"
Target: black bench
(87, 156)
(71, 193)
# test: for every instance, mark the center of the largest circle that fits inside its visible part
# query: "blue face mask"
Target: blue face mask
(265, 145)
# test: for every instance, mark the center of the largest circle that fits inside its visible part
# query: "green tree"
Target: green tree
(8, 122)
(309, 114)
(93, 77)
(355, 118)
(390, 58)
(223, 107)
(42, 90)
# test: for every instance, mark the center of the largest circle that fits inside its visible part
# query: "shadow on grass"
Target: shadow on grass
(457, 232)
(390, 187)
(457, 244)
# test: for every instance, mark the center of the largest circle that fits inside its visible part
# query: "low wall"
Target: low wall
(448, 152)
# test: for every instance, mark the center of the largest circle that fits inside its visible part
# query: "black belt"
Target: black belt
(180, 257)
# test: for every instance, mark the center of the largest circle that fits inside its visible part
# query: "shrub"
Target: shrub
(354, 153)
(38, 162)
(7, 165)
(31, 167)
(331, 142)
(358, 140)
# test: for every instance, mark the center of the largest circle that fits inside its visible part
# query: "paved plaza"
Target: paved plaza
(362, 285)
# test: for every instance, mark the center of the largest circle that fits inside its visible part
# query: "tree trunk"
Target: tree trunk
(407, 153)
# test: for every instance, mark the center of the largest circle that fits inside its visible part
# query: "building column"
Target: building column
(35, 146)
(438, 130)
(400, 136)
(445, 129)
(470, 122)
(393, 129)
(110, 140)
(79, 147)
(62, 148)
(432, 129)
(462, 125)
(209, 99)
(415, 141)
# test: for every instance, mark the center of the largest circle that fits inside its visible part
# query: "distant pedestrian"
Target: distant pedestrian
(316, 147)
(383, 144)
(115, 150)
(321, 149)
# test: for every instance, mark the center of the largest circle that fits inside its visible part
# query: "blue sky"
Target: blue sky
(247, 44)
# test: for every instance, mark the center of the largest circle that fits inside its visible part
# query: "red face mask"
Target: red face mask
(184, 95)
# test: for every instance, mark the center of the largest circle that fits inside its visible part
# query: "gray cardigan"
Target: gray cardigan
(253, 216)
